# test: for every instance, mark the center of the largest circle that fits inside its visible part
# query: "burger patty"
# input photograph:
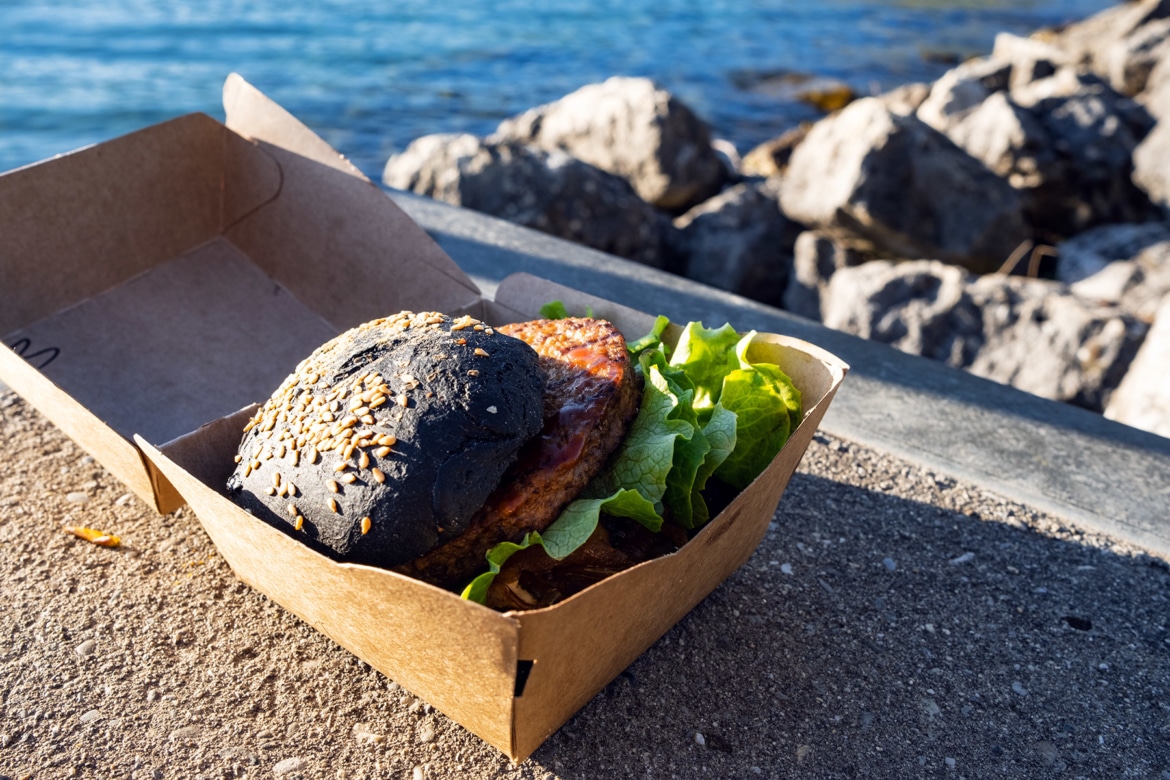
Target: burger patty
(590, 397)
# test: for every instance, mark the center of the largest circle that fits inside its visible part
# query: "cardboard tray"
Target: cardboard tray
(172, 276)
(175, 276)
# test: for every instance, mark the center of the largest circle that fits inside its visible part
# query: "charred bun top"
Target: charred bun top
(386, 440)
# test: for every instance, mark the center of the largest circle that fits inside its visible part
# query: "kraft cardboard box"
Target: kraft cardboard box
(160, 285)
(172, 276)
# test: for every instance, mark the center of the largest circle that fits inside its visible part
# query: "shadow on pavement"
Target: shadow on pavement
(907, 640)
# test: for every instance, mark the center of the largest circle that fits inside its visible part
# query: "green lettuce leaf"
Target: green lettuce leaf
(767, 408)
(554, 310)
(568, 532)
(650, 340)
(720, 434)
(706, 356)
(647, 452)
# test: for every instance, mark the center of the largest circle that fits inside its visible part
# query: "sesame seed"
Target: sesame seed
(366, 523)
(389, 440)
(402, 401)
(473, 372)
(247, 469)
(313, 454)
(333, 506)
(381, 452)
(349, 422)
(255, 464)
(291, 488)
(368, 419)
(332, 485)
(361, 411)
(271, 491)
(377, 401)
(488, 331)
(292, 510)
(300, 523)
(239, 458)
(364, 460)
(342, 466)
(481, 352)
(349, 448)
(349, 478)
(276, 479)
(251, 424)
(296, 457)
(379, 477)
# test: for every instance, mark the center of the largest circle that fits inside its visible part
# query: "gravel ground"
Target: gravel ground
(893, 624)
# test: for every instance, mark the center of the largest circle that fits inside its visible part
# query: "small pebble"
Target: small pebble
(86, 648)
(700, 740)
(185, 733)
(124, 499)
(85, 461)
(1019, 688)
(417, 773)
(950, 762)
(288, 766)
(76, 498)
(889, 564)
(426, 733)
(964, 558)
(786, 568)
(90, 717)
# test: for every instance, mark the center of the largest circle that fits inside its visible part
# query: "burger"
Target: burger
(516, 464)
(420, 441)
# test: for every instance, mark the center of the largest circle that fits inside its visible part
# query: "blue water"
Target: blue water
(370, 77)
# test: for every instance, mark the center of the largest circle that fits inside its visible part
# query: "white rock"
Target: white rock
(1143, 397)
(632, 128)
(288, 766)
(903, 186)
(185, 734)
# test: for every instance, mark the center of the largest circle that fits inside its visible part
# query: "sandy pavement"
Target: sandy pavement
(893, 624)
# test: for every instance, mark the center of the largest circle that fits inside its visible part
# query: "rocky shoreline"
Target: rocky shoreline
(1010, 219)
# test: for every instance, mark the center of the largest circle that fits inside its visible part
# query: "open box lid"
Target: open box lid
(174, 275)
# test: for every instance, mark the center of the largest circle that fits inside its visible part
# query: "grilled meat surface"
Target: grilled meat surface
(590, 397)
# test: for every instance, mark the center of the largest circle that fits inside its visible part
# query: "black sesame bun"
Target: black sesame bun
(386, 440)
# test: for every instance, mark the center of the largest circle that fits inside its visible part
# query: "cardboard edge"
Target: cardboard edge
(118, 455)
(253, 114)
(540, 627)
(211, 507)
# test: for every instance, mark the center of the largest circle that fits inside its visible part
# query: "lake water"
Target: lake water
(370, 77)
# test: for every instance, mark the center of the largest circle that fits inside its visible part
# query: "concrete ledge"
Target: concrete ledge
(1098, 474)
